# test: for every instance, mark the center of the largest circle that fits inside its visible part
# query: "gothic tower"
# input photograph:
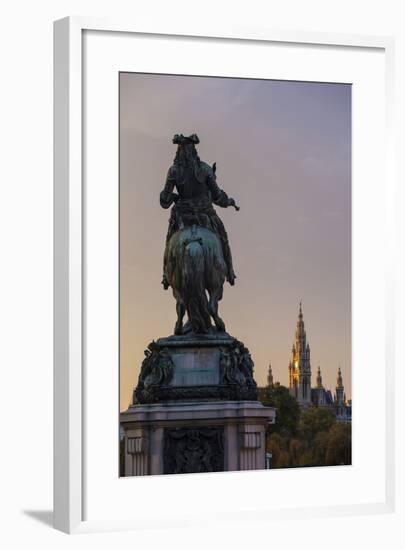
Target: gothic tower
(340, 397)
(299, 369)
(270, 381)
(319, 391)
(319, 378)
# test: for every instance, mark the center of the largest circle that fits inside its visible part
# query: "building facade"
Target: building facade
(300, 383)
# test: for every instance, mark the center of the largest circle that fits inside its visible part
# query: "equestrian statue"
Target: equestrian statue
(197, 257)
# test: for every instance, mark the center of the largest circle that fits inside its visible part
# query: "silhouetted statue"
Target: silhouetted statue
(197, 257)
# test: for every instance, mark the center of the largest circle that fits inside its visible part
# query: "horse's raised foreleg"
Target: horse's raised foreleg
(181, 310)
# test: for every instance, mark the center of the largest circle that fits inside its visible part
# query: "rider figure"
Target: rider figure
(197, 191)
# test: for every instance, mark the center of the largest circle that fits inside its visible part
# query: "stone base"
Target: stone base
(183, 437)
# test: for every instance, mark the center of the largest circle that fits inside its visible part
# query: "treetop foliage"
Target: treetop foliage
(308, 437)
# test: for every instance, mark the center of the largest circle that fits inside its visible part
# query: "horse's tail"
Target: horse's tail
(194, 286)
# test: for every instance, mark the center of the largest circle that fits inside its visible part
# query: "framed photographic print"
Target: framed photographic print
(223, 299)
(197, 405)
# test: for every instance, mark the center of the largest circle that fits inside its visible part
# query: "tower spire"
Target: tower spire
(270, 381)
(339, 379)
(300, 336)
(299, 369)
(340, 397)
(319, 378)
(340, 391)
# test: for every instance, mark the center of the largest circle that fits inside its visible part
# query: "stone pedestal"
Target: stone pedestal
(185, 437)
(196, 367)
(195, 409)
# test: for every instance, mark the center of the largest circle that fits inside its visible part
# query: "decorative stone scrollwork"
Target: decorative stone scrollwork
(236, 365)
(157, 370)
(231, 392)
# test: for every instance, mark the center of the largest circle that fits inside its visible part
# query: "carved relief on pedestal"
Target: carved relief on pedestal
(193, 450)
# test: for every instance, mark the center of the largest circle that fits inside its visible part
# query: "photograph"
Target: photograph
(235, 274)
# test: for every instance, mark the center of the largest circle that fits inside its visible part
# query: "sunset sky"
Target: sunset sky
(283, 151)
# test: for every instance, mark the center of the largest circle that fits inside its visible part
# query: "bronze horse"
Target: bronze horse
(196, 271)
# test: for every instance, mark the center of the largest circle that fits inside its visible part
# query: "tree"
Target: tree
(299, 452)
(319, 448)
(310, 437)
(315, 420)
(288, 410)
(339, 449)
(278, 447)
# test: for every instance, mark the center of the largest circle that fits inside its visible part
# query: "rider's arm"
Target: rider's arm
(167, 197)
(219, 197)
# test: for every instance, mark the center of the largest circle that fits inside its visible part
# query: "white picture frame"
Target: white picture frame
(70, 383)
